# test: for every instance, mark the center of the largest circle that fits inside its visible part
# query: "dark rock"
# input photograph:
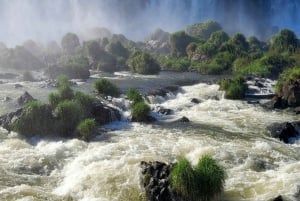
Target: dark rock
(104, 114)
(283, 131)
(8, 76)
(297, 110)
(7, 120)
(183, 119)
(164, 111)
(163, 91)
(276, 103)
(195, 100)
(18, 86)
(279, 198)
(24, 98)
(297, 194)
(155, 180)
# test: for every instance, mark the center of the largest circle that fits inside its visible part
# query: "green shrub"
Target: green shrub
(143, 63)
(64, 93)
(234, 88)
(204, 29)
(86, 103)
(106, 87)
(140, 112)
(61, 80)
(36, 119)
(288, 75)
(87, 128)
(184, 180)
(134, 96)
(201, 183)
(211, 178)
(68, 114)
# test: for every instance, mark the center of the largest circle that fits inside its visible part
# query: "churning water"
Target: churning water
(107, 169)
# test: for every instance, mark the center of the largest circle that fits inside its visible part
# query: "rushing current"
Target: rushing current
(107, 168)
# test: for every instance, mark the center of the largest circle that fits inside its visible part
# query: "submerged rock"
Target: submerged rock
(278, 198)
(195, 100)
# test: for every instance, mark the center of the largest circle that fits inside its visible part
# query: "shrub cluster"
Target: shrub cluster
(106, 88)
(201, 183)
(139, 109)
(234, 88)
(66, 113)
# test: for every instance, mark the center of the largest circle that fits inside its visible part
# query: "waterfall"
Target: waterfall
(50, 20)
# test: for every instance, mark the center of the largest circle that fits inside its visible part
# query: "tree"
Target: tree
(105, 87)
(143, 63)
(68, 114)
(178, 42)
(70, 43)
(204, 29)
(218, 37)
(286, 41)
(36, 119)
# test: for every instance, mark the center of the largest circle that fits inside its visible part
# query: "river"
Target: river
(107, 168)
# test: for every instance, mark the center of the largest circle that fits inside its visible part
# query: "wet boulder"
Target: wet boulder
(163, 91)
(7, 120)
(103, 113)
(284, 131)
(195, 100)
(155, 180)
(278, 198)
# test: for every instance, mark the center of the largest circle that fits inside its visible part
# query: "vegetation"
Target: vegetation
(139, 109)
(67, 112)
(106, 88)
(73, 67)
(203, 30)
(68, 115)
(36, 119)
(234, 88)
(70, 43)
(134, 96)
(140, 112)
(203, 182)
(87, 128)
(178, 42)
(288, 76)
(143, 63)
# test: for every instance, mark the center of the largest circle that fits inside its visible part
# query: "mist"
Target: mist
(46, 20)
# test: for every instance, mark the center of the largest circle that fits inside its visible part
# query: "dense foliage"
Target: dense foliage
(87, 128)
(70, 43)
(201, 183)
(143, 63)
(68, 114)
(139, 109)
(106, 88)
(234, 88)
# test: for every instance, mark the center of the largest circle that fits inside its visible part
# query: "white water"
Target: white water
(107, 168)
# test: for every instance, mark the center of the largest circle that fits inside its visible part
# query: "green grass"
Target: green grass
(201, 183)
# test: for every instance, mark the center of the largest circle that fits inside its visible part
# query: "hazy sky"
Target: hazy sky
(45, 20)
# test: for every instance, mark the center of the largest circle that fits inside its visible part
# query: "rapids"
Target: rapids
(107, 169)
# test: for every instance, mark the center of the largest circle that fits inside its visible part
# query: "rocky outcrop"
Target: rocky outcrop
(155, 180)
(24, 98)
(290, 93)
(7, 120)
(284, 131)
